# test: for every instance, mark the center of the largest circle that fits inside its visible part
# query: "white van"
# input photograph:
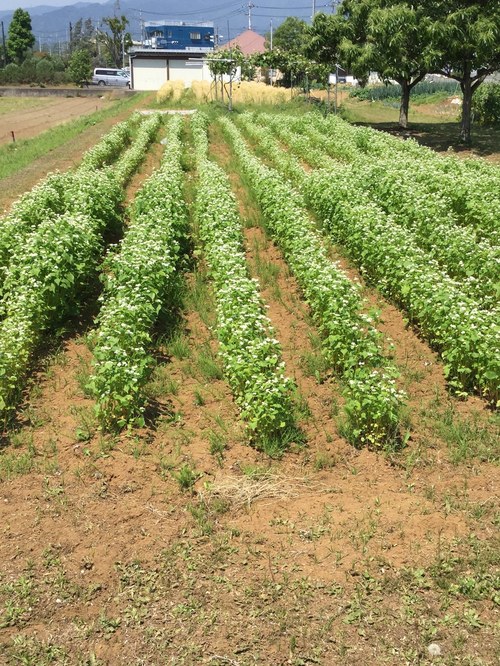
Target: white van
(106, 76)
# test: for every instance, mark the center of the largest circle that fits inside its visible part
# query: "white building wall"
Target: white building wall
(149, 74)
(152, 73)
(188, 71)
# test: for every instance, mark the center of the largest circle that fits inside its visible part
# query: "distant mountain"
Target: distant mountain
(51, 24)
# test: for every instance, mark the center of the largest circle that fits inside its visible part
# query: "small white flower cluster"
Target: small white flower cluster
(127, 165)
(402, 188)
(139, 273)
(351, 342)
(251, 355)
(54, 240)
(466, 336)
(112, 144)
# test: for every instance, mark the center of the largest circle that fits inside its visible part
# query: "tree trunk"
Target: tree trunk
(406, 87)
(405, 103)
(465, 122)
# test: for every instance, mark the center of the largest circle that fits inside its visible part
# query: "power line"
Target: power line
(289, 8)
(193, 12)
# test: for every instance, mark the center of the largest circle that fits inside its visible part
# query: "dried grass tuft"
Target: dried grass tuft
(243, 491)
(170, 91)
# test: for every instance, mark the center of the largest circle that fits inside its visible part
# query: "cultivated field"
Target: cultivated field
(248, 376)
(27, 117)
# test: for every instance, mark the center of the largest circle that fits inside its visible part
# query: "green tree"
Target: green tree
(466, 38)
(20, 37)
(289, 42)
(389, 37)
(399, 48)
(324, 38)
(44, 71)
(116, 41)
(80, 67)
(294, 66)
(83, 36)
(291, 35)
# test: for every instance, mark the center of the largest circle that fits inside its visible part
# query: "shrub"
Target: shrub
(11, 73)
(393, 90)
(28, 71)
(44, 71)
(486, 104)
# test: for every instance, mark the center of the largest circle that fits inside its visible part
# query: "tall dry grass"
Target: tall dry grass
(171, 91)
(244, 92)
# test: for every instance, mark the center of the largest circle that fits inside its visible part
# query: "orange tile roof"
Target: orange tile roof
(249, 42)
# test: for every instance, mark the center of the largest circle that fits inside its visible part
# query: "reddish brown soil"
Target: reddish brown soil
(61, 158)
(27, 123)
(330, 555)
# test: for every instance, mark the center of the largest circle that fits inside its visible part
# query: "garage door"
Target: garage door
(149, 73)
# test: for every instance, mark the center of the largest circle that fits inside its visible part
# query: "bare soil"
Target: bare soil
(61, 158)
(329, 555)
(29, 122)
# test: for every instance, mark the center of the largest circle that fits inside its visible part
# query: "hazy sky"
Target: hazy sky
(26, 4)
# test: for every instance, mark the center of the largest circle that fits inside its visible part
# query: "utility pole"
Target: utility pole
(271, 72)
(4, 49)
(313, 10)
(250, 7)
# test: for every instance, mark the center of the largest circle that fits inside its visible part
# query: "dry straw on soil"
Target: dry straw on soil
(241, 492)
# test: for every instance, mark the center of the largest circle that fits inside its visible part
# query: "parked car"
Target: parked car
(110, 77)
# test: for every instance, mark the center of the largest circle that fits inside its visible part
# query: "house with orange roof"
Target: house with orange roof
(250, 42)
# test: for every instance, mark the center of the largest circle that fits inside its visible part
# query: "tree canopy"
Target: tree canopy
(291, 35)
(83, 36)
(115, 40)
(20, 36)
(80, 67)
(403, 41)
(466, 42)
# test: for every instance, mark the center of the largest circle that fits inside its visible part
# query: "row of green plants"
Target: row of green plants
(250, 352)
(393, 91)
(46, 282)
(472, 186)
(45, 285)
(466, 336)
(54, 195)
(127, 165)
(427, 214)
(352, 344)
(139, 274)
(388, 255)
(109, 148)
